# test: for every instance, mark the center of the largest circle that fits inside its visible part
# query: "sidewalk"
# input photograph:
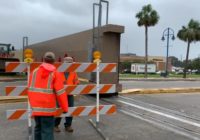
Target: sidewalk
(161, 90)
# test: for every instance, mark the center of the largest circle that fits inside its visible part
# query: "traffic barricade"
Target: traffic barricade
(21, 114)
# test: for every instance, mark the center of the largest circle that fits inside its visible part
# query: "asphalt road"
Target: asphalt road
(158, 84)
(119, 126)
(188, 103)
(116, 127)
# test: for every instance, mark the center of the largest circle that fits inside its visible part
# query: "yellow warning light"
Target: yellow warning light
(97, 55)
(28, 60)
(28, 53)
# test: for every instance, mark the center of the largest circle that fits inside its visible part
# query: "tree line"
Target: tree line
(193, 64)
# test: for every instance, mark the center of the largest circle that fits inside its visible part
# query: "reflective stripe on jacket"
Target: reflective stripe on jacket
(45, 88)
(71, 78)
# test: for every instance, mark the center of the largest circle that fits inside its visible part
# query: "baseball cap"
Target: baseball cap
(49, 55)
(68, 59)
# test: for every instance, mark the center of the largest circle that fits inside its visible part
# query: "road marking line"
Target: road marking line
(162, 114)
(161, 125)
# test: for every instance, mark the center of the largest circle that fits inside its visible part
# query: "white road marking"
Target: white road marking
(161, 125)
(162, 114)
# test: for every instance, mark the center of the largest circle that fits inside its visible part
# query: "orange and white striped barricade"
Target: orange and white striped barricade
(16, 67)
(63, 67)
(70, 89)
(77, 89)
(22, 114)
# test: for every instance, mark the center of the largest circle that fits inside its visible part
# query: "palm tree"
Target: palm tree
(147, 17)
(189, 34)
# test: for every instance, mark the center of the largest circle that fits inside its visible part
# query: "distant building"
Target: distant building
(129, 57)
(160, 61)
(127, 54)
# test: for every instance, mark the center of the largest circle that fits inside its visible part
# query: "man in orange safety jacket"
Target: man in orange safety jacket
(45, 89)
(69, 78)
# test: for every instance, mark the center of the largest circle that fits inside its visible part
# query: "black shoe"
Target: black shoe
(57, 129)
(69, 129)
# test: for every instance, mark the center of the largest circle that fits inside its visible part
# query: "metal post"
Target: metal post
(98, 48)
(167, 32)
(93, 25)
(24, 45)
(97, 81)
(100, 14)
(99, 21)
(166, 67)
(29, 111)
(99, 26)
(29, 107)
(94, 36)
(107, 10)
(27, 42)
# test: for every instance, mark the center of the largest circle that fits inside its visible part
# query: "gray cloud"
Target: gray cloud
(45, 19)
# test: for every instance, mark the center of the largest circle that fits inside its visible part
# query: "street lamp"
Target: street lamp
(168, 32)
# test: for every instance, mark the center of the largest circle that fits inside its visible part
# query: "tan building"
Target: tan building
(80, 46)
(131, 58)
(160, 61)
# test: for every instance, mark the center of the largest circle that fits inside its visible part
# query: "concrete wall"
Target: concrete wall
(79, 46)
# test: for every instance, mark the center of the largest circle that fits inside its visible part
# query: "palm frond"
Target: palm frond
(190, 33)
(147, 16)
(193, 24)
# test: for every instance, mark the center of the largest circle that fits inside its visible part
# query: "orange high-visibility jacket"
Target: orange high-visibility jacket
(45, 87)
(72, 79)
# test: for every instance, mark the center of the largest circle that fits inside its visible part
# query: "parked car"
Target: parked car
(179, 72)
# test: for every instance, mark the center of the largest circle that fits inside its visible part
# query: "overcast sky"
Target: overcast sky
(42, 20)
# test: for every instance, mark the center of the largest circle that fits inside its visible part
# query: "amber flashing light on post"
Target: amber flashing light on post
(28, 53)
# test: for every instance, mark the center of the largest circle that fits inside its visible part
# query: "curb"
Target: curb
(159, 79)
(161, 90)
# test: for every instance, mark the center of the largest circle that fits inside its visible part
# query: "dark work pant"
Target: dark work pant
(44, 128)
(68, 120)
